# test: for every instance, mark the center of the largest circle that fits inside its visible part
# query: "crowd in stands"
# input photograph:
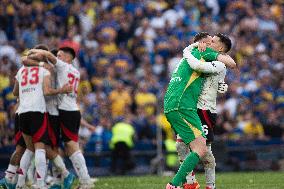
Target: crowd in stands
(127, 49)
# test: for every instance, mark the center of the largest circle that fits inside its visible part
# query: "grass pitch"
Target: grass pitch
(252, 180)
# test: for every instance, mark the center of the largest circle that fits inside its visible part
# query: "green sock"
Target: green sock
(187, 166)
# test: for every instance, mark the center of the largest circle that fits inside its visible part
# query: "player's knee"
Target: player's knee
(71, 147)
(202, 150)
(199, 146)
(182, 150)
(50, 153)
(39, 145)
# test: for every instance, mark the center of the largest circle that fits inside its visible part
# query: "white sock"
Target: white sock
(209, 167)
(11, 174)
(31, 172)
(56, 174)
(40, 164)
(24, 165)
(210, 177)
(46, 170)
(190, 178)
(59, 164)
(80, 167)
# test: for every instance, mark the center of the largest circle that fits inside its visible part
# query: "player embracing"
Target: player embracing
(207, 110)
(59, 170)
(69, 114)
(180, 105)
(30, 88)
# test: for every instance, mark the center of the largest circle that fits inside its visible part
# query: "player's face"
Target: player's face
(65, 57)
(216, 44)
(207, 40)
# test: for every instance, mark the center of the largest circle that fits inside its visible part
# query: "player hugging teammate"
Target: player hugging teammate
(190, 105)
(46, 87)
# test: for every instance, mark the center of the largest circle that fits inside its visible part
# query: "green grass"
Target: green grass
(252, 180)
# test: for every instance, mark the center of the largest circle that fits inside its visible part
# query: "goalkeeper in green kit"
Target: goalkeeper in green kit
(180, 102)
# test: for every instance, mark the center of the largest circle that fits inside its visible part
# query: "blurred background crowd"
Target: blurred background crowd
(127, 49)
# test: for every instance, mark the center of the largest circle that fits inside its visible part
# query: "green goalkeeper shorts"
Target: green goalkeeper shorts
(185, 123)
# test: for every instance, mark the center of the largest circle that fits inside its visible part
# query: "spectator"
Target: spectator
(120, 99)
(121, 145)
(254, 129)
(272, 127)
(145, 99)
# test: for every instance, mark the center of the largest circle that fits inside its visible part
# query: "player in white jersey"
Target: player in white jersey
(59, 170)
(10, 179)
(31, 88)
(69, 113)
(207, 112)
(33, 121)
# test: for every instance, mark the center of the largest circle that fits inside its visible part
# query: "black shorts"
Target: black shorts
(19, 139)
(208, 121)
(35, 125)
(69, 125)
(54, 130)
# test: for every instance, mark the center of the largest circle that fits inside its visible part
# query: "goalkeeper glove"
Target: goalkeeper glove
(222, 87)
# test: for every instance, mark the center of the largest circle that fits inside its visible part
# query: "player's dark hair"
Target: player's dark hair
(54, 52)
(68, 50)
(199, 36)
(225, 40)
(42, 47)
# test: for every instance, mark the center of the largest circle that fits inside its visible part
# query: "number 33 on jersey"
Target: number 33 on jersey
(31, 89)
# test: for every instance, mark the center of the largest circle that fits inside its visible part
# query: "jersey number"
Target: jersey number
(74, 81)
(205, 129)
(34, 76)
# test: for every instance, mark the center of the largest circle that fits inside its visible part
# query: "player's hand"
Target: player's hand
(202, 46)
(222, 87)
(30, 52)
(36, 54)
(67, 88)
(34, 51)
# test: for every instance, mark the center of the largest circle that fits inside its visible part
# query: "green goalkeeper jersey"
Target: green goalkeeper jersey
(186, 84)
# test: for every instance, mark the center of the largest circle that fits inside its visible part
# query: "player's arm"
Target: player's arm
(29, 62)
(190, 47)
(197, 65)
(16, 88)
(84, 123)
(227, 60)
(38, 54)
(49, 91)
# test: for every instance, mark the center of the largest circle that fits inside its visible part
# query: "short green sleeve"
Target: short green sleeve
(209, 55)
